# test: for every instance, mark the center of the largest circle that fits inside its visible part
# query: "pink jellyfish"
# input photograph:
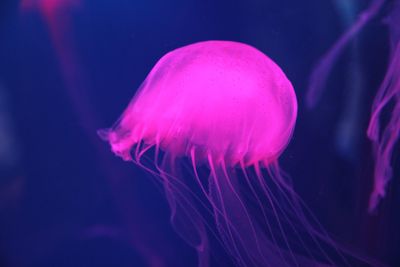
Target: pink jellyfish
(207, 121)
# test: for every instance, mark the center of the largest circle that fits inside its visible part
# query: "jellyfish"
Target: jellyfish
(383, 133)
(210, 122)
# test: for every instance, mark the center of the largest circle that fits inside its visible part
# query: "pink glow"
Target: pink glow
(58, 16)
(217, 114)
(222, 99)
(383, 137)
(49, 7)
(324, 67)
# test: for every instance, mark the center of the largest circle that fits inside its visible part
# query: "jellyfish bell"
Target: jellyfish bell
(221, 99)
(229, 108)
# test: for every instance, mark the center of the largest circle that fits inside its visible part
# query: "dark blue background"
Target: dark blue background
(67, 201)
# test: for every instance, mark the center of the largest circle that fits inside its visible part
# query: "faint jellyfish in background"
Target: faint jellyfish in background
(209, 120)
(383, 137)
(58, 16)
(49, 7)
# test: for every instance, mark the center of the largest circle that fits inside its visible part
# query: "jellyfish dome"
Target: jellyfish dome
(217, 114)
(223, 100)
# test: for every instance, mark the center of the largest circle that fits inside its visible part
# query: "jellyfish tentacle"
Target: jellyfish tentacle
(208, 196)
(184, 216)
(264, 187)
(166, 181)
(217, 199)
(285, 216)
(324, 67)
(168, 177)
(383, 152)
(258, 200)
(244, 208)
(297, 205)
(388, 89)
(163, 173)
(173, 193)
(300, 208)
(384, 140)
